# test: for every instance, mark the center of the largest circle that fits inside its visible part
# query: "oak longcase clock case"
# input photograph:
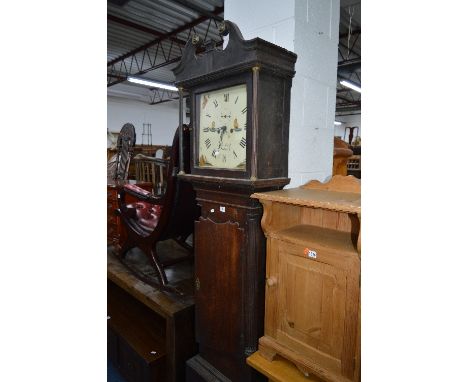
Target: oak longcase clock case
(240, 101)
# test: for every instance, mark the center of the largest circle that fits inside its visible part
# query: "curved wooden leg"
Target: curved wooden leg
(159, 268)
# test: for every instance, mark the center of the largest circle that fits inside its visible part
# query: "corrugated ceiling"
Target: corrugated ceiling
(138, 24)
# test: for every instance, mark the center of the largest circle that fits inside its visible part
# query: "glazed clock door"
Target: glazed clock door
(218, 285)
(222, 128)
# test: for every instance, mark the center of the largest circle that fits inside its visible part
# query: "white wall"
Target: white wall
(348, 121)
(271, 21)
(313, 100)
(164, 118)
(310, 29)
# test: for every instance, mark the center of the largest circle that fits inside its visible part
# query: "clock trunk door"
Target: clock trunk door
(218, 304)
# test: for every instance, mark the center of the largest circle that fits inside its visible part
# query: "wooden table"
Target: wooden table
(150, 333)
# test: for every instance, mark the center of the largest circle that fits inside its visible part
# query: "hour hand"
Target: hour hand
(222, 130)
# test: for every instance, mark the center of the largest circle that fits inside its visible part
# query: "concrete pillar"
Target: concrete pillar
(310, 29)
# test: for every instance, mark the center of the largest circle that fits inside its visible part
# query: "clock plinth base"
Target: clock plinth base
(200, 370)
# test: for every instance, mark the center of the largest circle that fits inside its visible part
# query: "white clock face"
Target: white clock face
(222, 128)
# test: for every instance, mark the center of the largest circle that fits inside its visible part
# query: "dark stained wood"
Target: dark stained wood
(168, 317)
(199, 370)
(229, 242)
(179, 210)
(267, 113)
(124, 151)
(139, 337)
(115, 231)
(219, 288)
(230, 270)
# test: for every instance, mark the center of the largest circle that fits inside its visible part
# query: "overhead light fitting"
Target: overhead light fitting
(350, 85)
(337, 123)
(151, 84)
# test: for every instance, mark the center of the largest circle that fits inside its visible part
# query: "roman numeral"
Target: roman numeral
(224, 158)
(214, 153)
(244, 110)
(208, 115)
(236, 99)
(208, 143)
(226, 97)
(234, 153)
(206, 129)
(215, 103)
(243, 142)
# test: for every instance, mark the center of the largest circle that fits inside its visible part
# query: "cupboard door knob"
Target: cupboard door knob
(272, 281)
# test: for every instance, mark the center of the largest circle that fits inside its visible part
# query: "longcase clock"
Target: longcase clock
(240, 101)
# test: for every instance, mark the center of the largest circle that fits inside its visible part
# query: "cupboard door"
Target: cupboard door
(218, 303)
(314, 313)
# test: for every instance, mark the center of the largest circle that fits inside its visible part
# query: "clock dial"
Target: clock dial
(222, 138)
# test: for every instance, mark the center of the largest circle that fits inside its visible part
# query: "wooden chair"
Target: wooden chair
(156, 218)
(152, 169)
(354, 166)
(118, 167)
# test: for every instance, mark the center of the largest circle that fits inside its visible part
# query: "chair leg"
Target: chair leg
(159, 268)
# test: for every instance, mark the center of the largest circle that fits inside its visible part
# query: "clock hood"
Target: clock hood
(239, 55)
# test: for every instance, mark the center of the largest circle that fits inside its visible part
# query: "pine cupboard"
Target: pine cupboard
(312, 293)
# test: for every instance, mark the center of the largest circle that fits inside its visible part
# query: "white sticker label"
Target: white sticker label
(222, 208)
(312, 254)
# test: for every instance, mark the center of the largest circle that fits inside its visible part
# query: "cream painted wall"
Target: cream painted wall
(348, 121)
(164, 118)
